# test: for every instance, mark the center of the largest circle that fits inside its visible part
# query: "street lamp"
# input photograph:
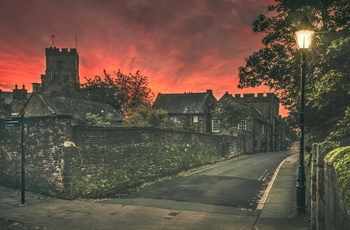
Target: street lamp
(303, 38)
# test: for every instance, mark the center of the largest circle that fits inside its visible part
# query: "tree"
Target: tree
(145, 116)
(97, 120)
(342, 128)
(101, 90)
(230, 113)
(123, 92)
(277, 64)
(332, 91)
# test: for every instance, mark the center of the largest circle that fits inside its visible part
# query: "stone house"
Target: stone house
(11, 103)
(61, 78)
(192, 111)
(255, 130)
(45, 105)
(55, 94)
(262, 130)
(268, 105)
(3, 109)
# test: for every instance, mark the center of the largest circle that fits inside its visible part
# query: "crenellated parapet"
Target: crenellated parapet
(267, 103)
(256, 96)
(64, 51)
(62, 71)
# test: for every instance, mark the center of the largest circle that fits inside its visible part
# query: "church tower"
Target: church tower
(62, 71)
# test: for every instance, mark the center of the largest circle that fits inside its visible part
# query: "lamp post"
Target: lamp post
(303, 38)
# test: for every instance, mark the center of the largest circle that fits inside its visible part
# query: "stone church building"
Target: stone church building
(58, 90)
(61, 74)
(61, 78)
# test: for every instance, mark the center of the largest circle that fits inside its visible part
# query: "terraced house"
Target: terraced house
(263, 129)
(190, 110)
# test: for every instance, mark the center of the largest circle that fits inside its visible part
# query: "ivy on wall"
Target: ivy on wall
(340, 159)
(101, 171)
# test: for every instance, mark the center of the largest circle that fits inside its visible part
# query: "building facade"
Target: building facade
(255, 129)
(268, 104)
(62, 71)
(261, 130)
(61, 78)
(189, 110)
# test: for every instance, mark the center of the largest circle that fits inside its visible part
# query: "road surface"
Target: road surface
(231, 187)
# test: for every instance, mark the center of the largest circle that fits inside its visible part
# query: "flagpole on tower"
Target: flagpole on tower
(76, 41)
(53, 41)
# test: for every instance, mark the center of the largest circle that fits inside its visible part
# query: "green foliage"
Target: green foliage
(102, 90)
(107, 171)
(97, 120)
(340, 159)
(330, 145)
(277, 64)
(342, 127)
(145, 116)
(123, 92)
(230, 113)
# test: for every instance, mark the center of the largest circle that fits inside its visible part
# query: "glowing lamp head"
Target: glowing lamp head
(304, 38)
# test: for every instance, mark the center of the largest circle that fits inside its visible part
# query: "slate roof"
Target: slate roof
(9, 95)
(186, 103)
(74, 107)
(258, 115)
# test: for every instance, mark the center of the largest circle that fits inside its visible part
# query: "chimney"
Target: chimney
(2, 100)
(19, 94)
(36, 87)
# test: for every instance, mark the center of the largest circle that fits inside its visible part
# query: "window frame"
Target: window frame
(242, 125)
(215, 128)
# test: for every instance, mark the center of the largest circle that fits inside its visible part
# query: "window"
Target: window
(242, 125)
(215, 126)
(195, 119)
(175, 119)
(263, 129)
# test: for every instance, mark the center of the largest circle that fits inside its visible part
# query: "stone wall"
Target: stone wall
(336, 216)
(68, 162)
(330, 188)
(110, 161)
(102, 136)
(44, 139)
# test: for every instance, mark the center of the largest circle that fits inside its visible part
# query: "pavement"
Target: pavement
(275, 211)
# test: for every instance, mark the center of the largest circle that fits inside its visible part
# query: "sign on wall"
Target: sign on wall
(12, 121)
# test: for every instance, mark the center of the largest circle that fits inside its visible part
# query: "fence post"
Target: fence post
(313, 186)
(320, 190)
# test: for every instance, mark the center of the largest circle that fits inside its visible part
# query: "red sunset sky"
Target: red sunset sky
(180, 45)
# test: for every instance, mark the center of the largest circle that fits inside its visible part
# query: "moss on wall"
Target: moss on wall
(340, 159)
(100, 171)
(100, 161)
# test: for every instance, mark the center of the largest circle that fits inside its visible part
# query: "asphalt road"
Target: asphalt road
(234, 186)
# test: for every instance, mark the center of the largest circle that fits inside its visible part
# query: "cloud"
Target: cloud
(181, 45)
